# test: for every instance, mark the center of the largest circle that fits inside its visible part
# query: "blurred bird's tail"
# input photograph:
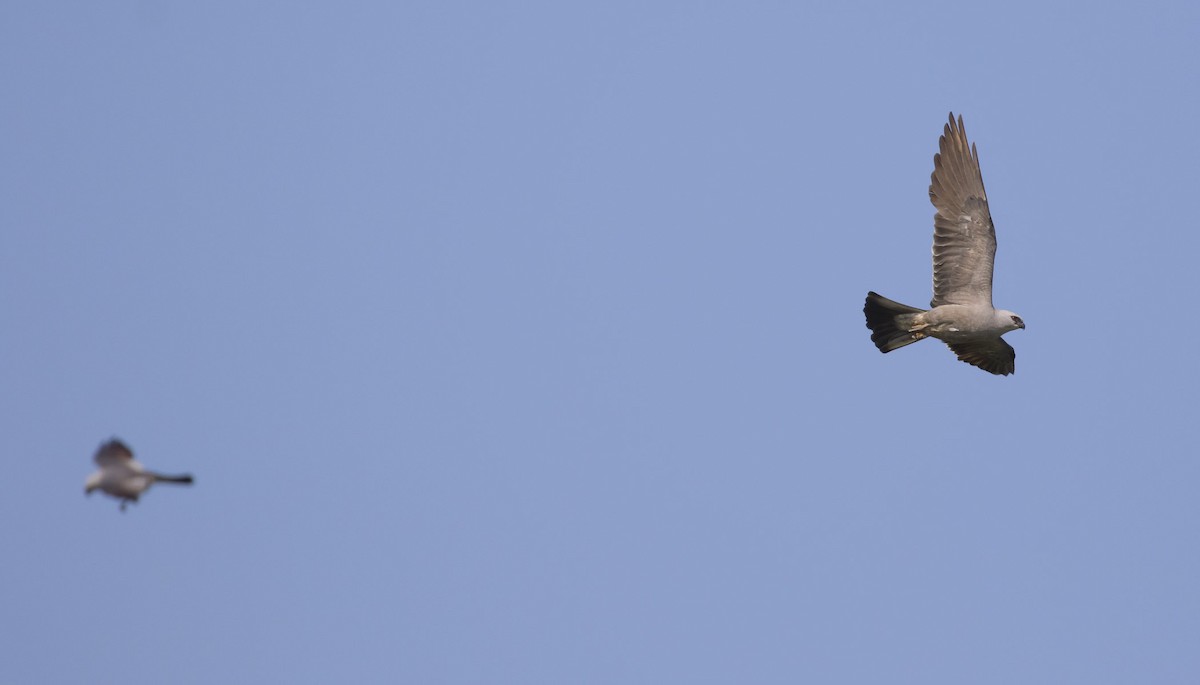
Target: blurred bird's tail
(185, 479)
(889, 322)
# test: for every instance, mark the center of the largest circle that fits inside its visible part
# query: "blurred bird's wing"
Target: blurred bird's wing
(113, 453)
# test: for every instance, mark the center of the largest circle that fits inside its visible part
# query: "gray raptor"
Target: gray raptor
(964, 250)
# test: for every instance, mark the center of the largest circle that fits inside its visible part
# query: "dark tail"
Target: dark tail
(889, 322)
(185, 479)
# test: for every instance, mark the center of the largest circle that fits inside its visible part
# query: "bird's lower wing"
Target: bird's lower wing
(993, 355)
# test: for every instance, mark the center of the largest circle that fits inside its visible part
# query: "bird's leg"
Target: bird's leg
(124, 503)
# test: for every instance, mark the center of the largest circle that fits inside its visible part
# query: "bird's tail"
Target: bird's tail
(185, 479)
(889, 322)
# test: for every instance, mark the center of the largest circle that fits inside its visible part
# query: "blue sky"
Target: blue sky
(523, 343)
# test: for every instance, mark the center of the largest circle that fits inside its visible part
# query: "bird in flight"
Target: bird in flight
(121, 476)
(964, 251)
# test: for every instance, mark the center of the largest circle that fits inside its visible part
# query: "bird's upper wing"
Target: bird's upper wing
(964, 240)
(990, 354)
(112, 453)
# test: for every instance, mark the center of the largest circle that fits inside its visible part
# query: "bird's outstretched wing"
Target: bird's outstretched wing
(964, 240)
(112, 453)
(990, 354)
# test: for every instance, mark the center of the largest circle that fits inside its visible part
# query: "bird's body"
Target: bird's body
(964, 250)
(122, 476)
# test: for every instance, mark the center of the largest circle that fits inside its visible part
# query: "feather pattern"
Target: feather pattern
(964, 239)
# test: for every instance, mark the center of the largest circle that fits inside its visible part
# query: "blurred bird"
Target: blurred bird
(121, 476)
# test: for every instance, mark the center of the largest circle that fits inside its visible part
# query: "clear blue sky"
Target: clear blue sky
(523, 343)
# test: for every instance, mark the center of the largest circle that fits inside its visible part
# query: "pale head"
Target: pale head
(1008, 320)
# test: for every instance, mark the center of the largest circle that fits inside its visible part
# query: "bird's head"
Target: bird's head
(92, 482)
(1009, 320)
